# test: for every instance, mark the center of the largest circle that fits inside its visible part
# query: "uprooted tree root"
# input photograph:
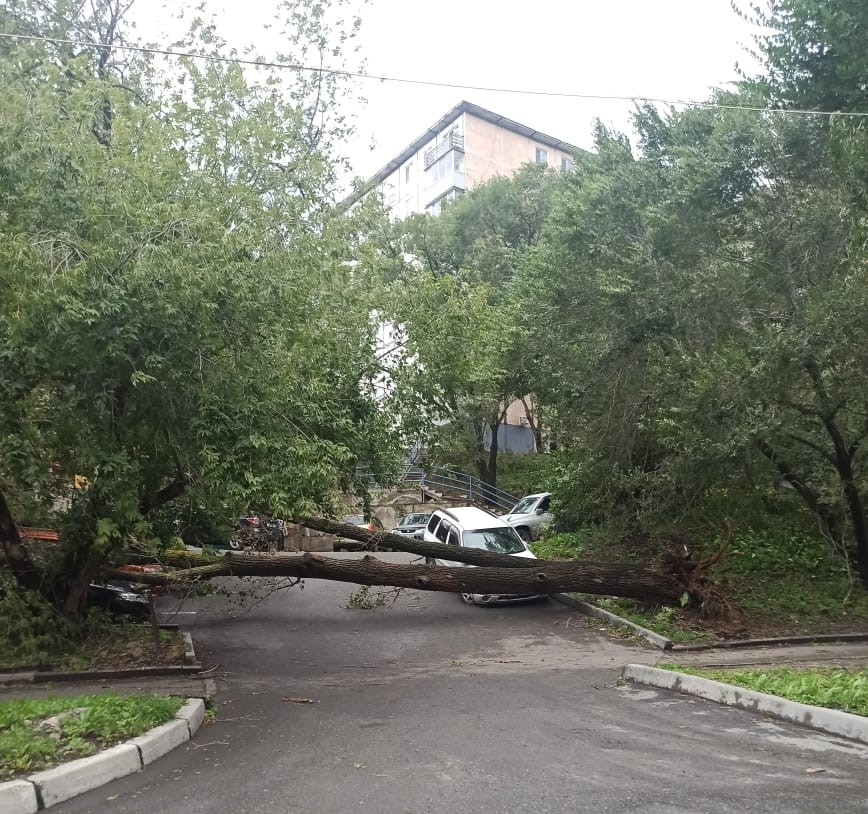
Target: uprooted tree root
(692, 572)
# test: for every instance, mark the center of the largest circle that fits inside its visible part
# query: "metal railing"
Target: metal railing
(454, 141)
(441, 481)
(440, 478)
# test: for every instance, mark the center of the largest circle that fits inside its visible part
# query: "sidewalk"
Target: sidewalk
(189, 687)
(826, 654)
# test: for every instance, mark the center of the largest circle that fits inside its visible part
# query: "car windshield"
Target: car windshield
(498, 540)
(414, 520)
(524, 505)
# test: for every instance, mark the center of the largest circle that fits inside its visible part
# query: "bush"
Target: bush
(30, 629)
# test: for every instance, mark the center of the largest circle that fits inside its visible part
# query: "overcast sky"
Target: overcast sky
(672, 49)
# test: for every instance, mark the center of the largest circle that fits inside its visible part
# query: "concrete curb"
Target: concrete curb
(592, 610)
(51, 786)
(18, 797)
(831, 721)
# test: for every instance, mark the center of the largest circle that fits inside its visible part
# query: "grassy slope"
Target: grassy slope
(781, 583)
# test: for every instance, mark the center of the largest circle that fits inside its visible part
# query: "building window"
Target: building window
(443, 167)
(566, 164)
(436, 207)
(542, 157)
(407, 173)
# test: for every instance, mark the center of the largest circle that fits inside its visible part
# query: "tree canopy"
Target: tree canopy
(179, 315)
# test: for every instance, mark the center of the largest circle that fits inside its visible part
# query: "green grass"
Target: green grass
(830, 687)
(781, 581)
(104, 720)
(667, 621)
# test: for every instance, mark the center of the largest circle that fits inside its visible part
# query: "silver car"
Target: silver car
(409, 524)
(529, 515)
(472, 527)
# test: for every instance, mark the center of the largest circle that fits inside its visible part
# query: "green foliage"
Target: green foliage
(814, 52)
(93, 722)
(830, 687)
(453, 287)
(523, 474)
(660, 619)
(181, 315)
(30, 632)
(365, 599)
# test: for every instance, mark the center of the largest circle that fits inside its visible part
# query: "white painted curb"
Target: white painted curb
(831, 721)
(44, 789)
(18, 797)
(193, 712)
(70, 779)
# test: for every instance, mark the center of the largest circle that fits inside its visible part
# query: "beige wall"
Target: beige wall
(515, 411)
(491, 150)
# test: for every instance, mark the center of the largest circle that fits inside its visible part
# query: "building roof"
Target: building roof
(441, 124)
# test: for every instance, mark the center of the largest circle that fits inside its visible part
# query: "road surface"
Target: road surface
(431, 705)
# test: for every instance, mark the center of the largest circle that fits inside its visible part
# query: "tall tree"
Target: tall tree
(179, 317)
(456, 288)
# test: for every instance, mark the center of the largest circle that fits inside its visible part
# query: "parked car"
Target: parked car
(119, 599)
(149, 568)
(472, 527)
(409, 524)
(345, 544)
(529, 515)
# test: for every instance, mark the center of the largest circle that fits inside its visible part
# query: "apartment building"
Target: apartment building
(466, 147)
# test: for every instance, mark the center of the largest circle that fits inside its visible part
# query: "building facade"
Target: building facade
(467, 147)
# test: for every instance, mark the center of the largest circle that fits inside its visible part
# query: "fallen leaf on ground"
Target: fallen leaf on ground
(290, 700)
(814, 771)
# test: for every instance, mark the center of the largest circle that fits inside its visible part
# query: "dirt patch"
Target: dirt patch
(132, 648)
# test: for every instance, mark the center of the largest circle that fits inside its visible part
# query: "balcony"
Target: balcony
(452, 141)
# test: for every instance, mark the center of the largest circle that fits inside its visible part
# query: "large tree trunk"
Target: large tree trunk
(535, 577)
(495, 574)
(842, 460)
(27, 574)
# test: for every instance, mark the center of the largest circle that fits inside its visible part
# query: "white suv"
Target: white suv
(472, 527)
(529, 515)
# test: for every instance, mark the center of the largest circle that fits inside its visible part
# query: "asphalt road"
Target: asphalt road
(431, 705)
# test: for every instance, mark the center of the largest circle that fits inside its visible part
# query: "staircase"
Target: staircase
(438, 483)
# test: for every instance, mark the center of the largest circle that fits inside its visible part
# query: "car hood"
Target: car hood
(527, 554)
(517, 516)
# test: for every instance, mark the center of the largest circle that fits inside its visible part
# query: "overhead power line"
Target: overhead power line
(604, 97)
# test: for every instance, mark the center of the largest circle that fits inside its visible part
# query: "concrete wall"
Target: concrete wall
(409, 188)
(491, 150)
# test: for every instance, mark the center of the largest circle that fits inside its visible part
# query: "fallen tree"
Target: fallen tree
(494, 573)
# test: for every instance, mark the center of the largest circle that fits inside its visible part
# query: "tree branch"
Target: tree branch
(814, 446)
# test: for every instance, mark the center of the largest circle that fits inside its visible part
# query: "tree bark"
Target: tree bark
(494, 574)
(400, 542)
(24, 569)
(165, 495)
(844, 465)
(533, 577)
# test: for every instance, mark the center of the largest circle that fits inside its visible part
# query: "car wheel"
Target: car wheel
(467, 599)
(235, 544)
(524, 534)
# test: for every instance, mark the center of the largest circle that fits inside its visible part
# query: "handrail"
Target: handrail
(474, 488)
(440, 477)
